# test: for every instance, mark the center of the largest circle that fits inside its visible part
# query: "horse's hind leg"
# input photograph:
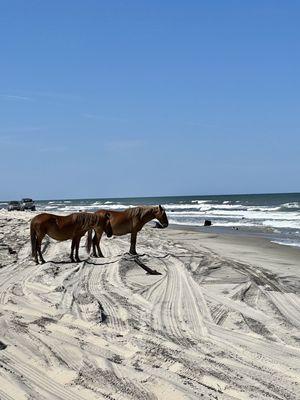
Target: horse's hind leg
(38, 249)
(36, 259)
(35, 251)
(33, 239)
(77, 242)
(72, 250)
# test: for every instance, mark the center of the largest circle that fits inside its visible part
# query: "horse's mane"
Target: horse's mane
(86, 220)
(139, 212)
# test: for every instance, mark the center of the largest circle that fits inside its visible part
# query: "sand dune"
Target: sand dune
(208, 326)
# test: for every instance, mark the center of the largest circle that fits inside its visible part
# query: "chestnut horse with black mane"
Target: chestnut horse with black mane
(131, 221)
(72, 226)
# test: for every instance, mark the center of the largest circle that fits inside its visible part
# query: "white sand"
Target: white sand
(220, 322)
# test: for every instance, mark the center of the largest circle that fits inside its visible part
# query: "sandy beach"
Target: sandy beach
(220, 321)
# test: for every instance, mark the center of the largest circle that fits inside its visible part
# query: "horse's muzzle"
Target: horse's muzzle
(109, 234)
(162, 224)
(108, 229)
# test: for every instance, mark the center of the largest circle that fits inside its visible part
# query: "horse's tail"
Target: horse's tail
(33, 240)
(89, 240)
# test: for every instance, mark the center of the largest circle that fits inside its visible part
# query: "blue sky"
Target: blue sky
(133, 98)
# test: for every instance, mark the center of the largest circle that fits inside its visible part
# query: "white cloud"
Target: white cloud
(15, 97)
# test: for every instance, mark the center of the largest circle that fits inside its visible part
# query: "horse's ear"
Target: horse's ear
(160, 208)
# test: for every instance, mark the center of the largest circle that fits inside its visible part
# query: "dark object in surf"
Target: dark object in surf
(207, 222)
(2, 345)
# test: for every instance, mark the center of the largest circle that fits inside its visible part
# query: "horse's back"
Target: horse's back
(41, 218)
(47, 220)
(59, 227)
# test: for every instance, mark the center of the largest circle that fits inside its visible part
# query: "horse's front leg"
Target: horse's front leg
(94, 243)
(133, 243)
(36, 257)
(72, 250)
(98, 238)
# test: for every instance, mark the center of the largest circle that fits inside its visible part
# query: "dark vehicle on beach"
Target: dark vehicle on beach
(14, 206)
(27, 204)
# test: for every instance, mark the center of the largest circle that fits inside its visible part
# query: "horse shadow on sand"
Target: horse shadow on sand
(137, 258)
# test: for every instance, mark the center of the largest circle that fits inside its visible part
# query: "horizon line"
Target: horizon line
(167, 196)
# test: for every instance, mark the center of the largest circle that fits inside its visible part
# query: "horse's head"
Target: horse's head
(161, 216)
(107, 225)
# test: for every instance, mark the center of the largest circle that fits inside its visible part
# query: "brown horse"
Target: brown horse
(72, 226)
(131, 221)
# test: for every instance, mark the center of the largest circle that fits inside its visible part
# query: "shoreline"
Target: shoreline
(240, 232)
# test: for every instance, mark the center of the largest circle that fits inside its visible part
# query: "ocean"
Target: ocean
(276, 216)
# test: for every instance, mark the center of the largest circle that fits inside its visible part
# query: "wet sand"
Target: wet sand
(221, 321)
